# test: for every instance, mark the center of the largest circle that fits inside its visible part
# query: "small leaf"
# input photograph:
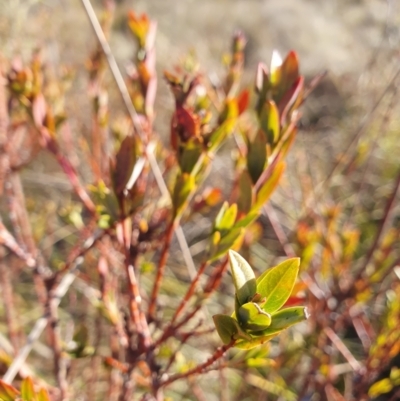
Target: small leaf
(226, 327)
(277, 284)
(227, 220)
(232, 240)
(243, 277)
(243, 101)
(381, 387)
(265, 192)
(43, 395)
(124, 165)
(184, 186)
(27, 390)
(246, 194)
(252, 317)
(269, 121)
(247, 220)
(190, 156)
(257, 156)
(285, 318)
(7, 392)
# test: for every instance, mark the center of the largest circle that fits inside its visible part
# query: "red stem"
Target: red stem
(160, 271)
(218, 354)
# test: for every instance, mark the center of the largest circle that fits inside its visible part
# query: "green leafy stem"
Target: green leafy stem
(258, 316)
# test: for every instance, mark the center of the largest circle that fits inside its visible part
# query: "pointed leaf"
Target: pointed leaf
(226, 327)
(43, 395)
(247, 220)
(252, 317)
(7, 392)
(190, 156)
(265, 192)
(232, 240)
(243, 101)
(184, 186)
(27, 390)
(228, 219)
(269, 121)
(257, 155)
(277, 284)
(246, 194)
(125, 163)
(285, 318)
(243, 277)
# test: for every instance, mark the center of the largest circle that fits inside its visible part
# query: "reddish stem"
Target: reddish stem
(189, 292)
(199, 369)
(160, 271)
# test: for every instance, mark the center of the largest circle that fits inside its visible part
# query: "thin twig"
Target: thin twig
(39, 327)
(356, 365)
(219, 353)
(189, 293)
(137, 124)
(160, 271)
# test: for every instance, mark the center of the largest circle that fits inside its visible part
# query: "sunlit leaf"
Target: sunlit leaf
(380, 387)
(285, 318)
(253, 318)
(266, 190)
(269, 121)
(7, 392)
(277, 284)
(226, 220)
(243, 277)
(184, 186)
(43, 395)
(27, 390)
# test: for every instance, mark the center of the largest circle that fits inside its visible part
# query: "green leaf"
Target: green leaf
(381, 387)
(232, 240)
(285, 318)
(7, 392)
(246, 194)
(247, 220)
(269, 121)
(277, 283)
(184, 186)
(226, 219)
(226, 326)
(253, 342)
(43, 395)
(252, 317)
(243, 277)
(269, 186)
(27, 390)
(256, 155)
(190, 156)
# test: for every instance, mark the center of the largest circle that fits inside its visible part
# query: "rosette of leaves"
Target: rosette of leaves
(258, 316)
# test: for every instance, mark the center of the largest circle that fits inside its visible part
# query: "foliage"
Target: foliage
(107, 267)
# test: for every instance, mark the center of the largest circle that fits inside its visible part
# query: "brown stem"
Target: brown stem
(189, 292)
(160, 271)
(60, 367)
(135, 299)
(9, 310)
(199, 369)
